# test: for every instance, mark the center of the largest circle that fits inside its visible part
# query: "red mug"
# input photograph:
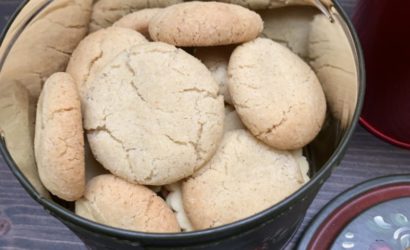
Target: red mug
(384, 30)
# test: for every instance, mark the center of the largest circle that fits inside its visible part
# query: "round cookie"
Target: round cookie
(334, 63)
(290, 27)
(205, 24)
(96, 50)
(271, 4)
(115, 202)
(105, 12)
(153, 115)
(216, 59)
(276, 94)
(138, 21)
(243, 178)
(59, 141)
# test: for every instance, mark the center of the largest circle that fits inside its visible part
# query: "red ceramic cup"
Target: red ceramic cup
(384, 30)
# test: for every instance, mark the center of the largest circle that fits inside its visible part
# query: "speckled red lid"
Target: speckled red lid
(374, 215)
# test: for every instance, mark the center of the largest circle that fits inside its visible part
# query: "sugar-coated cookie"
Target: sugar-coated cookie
(333, 61)
(289, 26)
(45, 45)
(107, 12)
(59, 141)
(153, 115)
(205, 24)
(216, 59)
(98, 49)
(17, 127)
(138, 20)
(243, 178)
(115, 202)
(276, 94)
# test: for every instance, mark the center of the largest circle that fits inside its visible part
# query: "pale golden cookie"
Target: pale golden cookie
(17, 127)
(289, 26)
(243, 178)
(107, 12)
(46, 44)
(59, 141)
(115, 202)
(153, 115)
(205, 24)
(98, 49)
(138, 21)
(334, 63)
(276, 94)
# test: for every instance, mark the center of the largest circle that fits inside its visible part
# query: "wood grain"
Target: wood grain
(25, 225)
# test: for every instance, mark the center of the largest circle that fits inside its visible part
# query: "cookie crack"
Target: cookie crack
(59, 111)
(200, 91)
(277, 125)
(104, 129)
(66, 53)
(326, 65)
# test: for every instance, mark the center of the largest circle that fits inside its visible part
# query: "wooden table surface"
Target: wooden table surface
(25, 225)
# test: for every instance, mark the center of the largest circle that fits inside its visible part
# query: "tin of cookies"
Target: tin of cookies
(59, 141)
(205, 24)
(243, 178)
(138, 21)
(153, 115)
(276, 94)
(115, 202)
(96, 50)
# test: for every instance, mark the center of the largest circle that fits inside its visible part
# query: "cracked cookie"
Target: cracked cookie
(17, 127)
(153, 115)
(96, 50)
(107, 12)
(216, 59)
(205, 24)
(333, 61)
(59, 141)
(276, 94)
(45, 46)
(138, 21)
(115, 202)
(243, 178)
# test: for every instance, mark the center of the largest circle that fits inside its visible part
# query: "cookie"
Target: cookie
(17, 127)
(45, 46)
(174, 201)
(232, 120)
(58, 141)
(334, 63)
(194, 24)
(289, 26)
(303, 164)
(216, 59)
(153, 115)
(107, 12)
(96, 50)
(243, 178)
(138, 21)
(277, 95)
(112, 201)
(271, 4)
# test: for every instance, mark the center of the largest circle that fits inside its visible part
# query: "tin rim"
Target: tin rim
(213, 233)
